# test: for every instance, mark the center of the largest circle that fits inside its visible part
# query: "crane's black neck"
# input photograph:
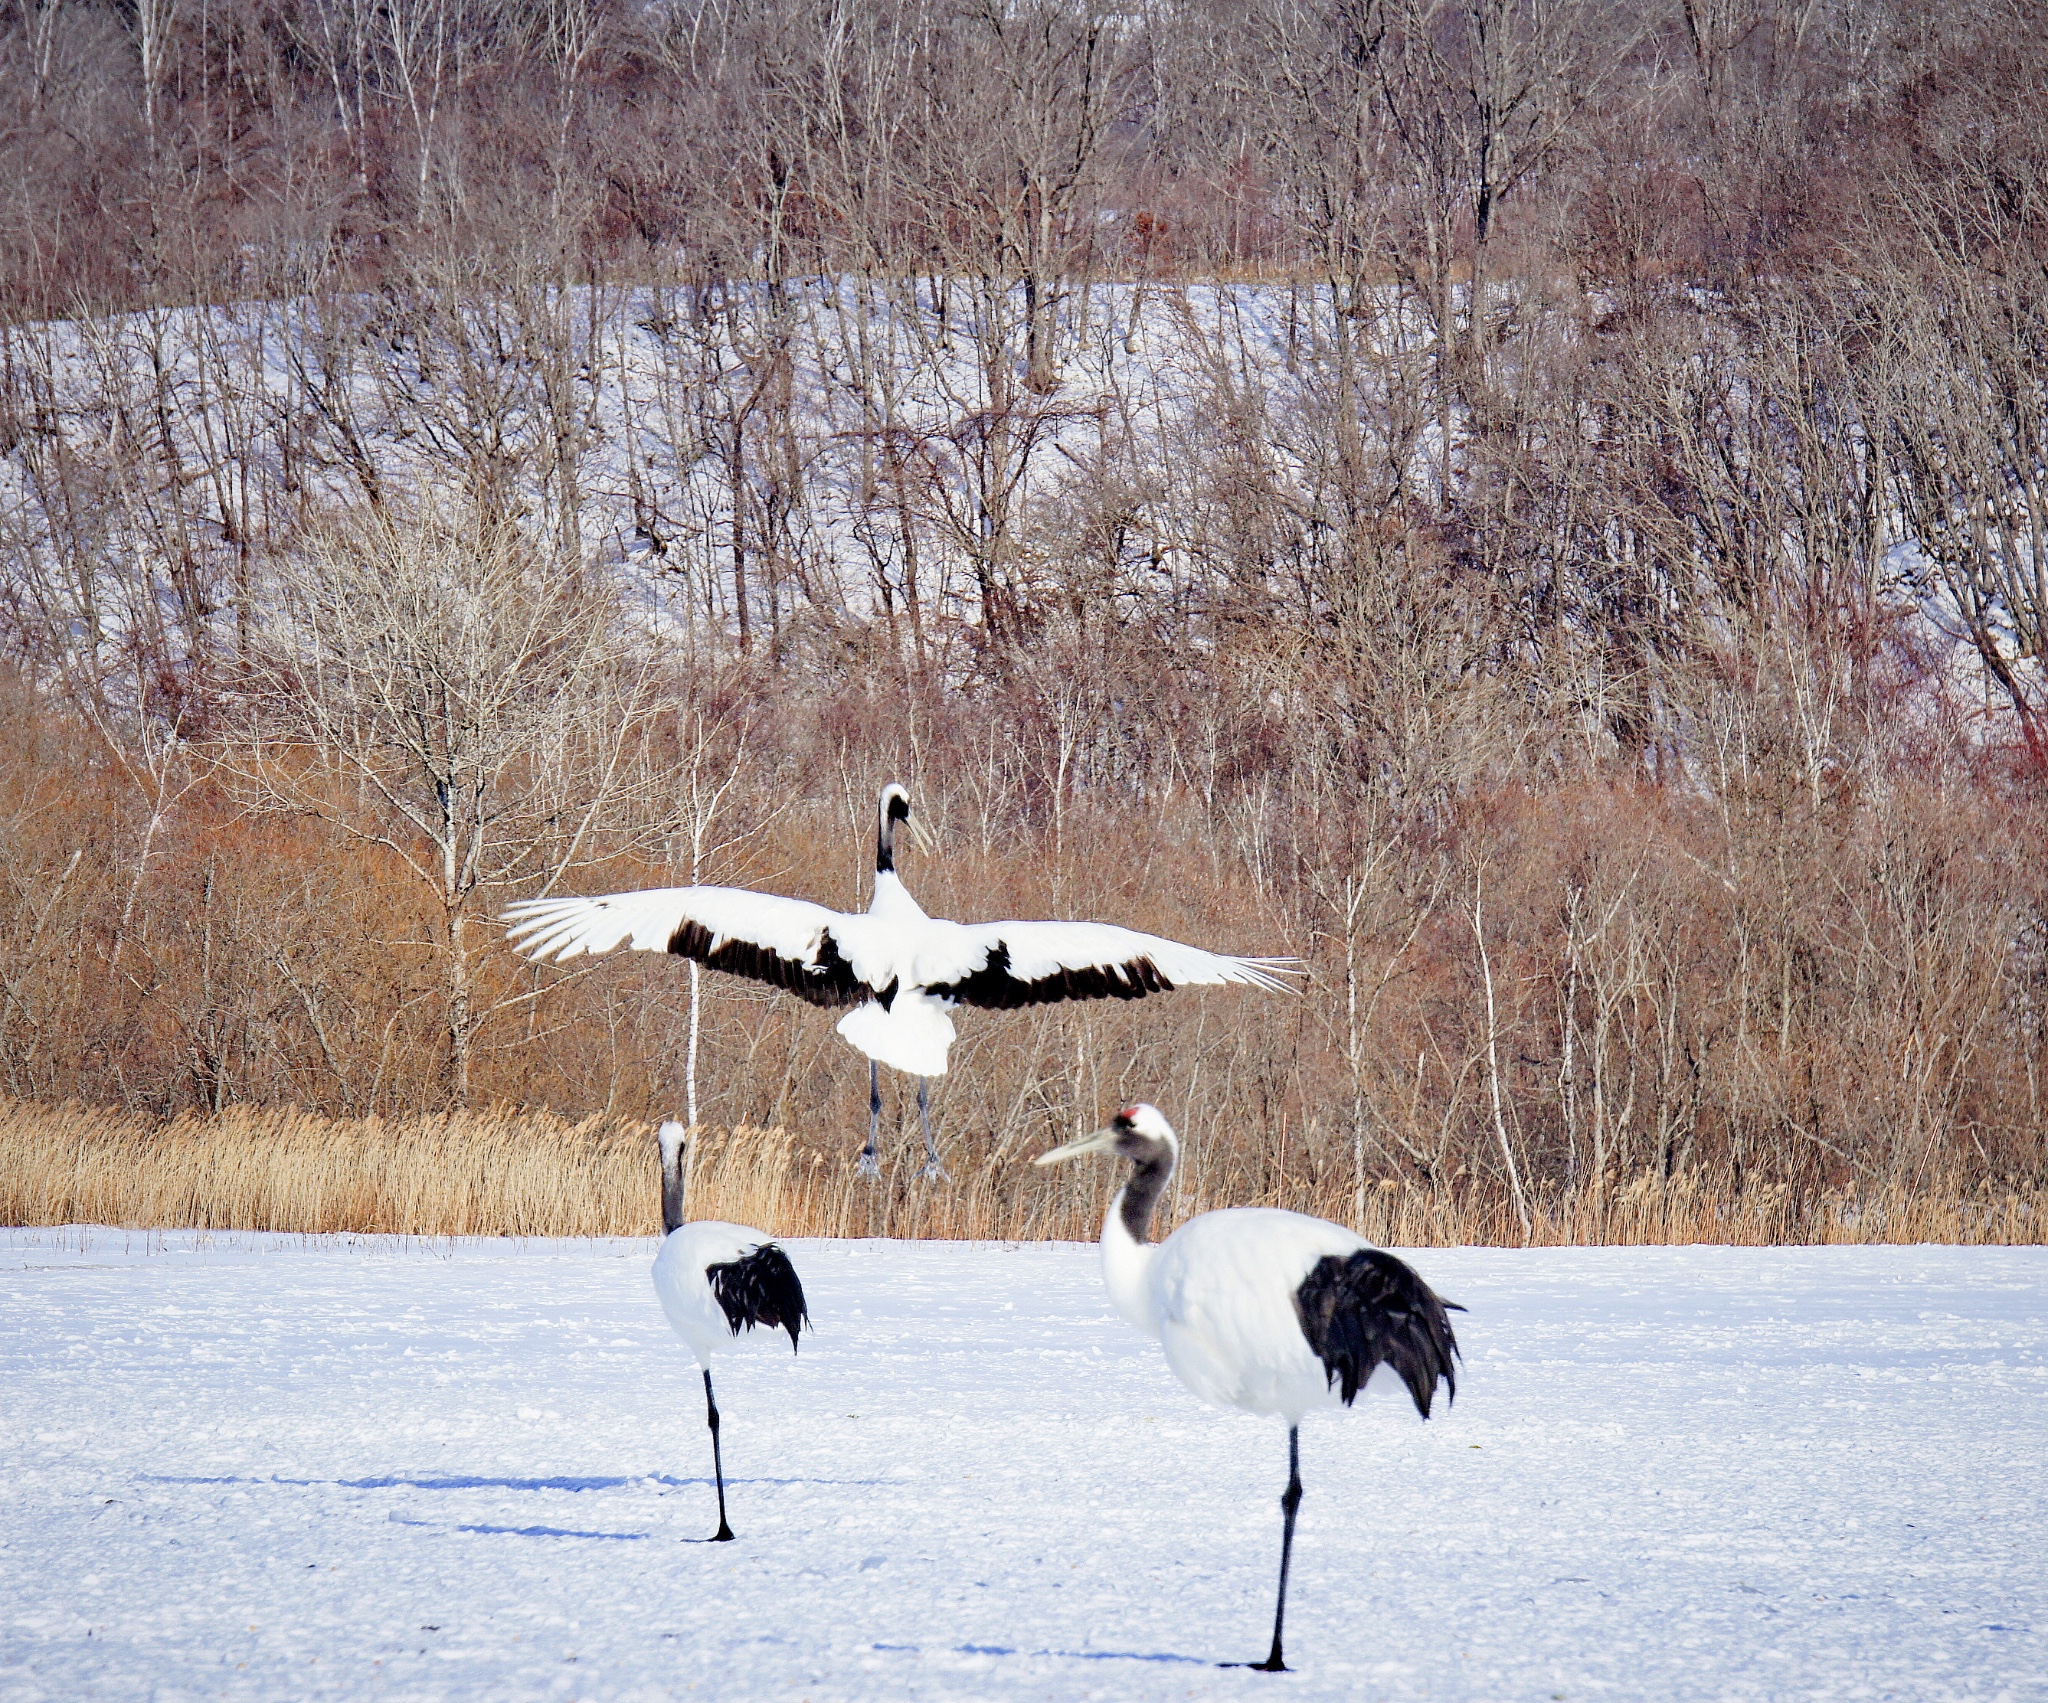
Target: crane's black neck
(1149, 1174)
(895, 808)
(673, 1179)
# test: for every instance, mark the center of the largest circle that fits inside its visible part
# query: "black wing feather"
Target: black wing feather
(760, 1288)
(1372, 1310)
(993, 987)
(826, 979)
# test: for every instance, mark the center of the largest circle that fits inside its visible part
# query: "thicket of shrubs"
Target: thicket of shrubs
(1539, 510)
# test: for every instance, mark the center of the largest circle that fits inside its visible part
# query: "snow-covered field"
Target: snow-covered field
(256, 1467)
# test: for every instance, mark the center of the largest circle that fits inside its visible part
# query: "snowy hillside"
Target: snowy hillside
(799, 460)
(877, 440)
(259, 1468)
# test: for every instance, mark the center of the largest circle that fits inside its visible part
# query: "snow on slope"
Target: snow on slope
(629, 398)
(262, 1468)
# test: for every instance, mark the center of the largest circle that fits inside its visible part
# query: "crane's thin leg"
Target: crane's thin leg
(1290, 1500)
(870, 1165)
(724, 1532)
(934, 1172)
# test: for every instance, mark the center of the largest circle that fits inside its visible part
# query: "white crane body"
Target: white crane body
(685, 1293)
(1219, 1295)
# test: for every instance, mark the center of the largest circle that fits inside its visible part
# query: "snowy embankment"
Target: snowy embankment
(266, 1468)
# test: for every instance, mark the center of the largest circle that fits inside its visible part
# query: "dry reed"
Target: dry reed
(519, 1173)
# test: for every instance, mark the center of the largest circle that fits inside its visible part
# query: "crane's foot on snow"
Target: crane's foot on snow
(933, 1172)
(867, 1165)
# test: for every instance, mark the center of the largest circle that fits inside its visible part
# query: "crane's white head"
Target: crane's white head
(894, 807)
(1138, 1133)
(672, 1138)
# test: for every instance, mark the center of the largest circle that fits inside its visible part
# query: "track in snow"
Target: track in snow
(258, 1467)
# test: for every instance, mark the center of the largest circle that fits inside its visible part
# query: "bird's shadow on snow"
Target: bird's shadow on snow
(1056, 1655)
(478, 1481)
(460, 1481)
(526, 1531)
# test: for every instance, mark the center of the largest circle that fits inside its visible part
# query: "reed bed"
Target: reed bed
(520, 1173)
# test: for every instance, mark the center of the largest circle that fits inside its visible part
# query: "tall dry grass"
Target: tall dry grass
(507, 1173)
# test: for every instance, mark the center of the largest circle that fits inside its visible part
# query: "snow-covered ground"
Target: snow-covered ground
(256, 1467)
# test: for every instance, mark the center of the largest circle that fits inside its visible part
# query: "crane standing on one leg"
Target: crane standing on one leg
(715, 1280)
(1266, 1311)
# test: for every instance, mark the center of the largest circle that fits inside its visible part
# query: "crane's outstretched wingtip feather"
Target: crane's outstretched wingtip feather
(552, 931)
(543, 938)
(1269, 974)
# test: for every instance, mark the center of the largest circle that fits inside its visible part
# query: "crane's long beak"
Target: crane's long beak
(1102, 1141)
(920, 833)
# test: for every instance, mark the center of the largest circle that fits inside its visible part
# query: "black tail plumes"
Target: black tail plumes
(1369, 1310)
(760, 1288)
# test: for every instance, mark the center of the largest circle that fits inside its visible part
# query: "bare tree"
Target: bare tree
(1481, 94)
(1964, 309)
(438, 689)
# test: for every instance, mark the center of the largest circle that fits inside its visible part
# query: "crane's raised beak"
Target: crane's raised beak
(920, 833)
(1102, 1141)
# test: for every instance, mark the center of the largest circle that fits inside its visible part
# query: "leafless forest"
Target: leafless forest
(1538, 507)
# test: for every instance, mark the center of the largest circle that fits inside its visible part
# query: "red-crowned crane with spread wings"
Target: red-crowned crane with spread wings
(901, 972)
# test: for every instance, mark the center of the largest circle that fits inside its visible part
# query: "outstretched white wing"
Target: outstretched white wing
(1007, 964)
(788, 943)
(831, 959)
